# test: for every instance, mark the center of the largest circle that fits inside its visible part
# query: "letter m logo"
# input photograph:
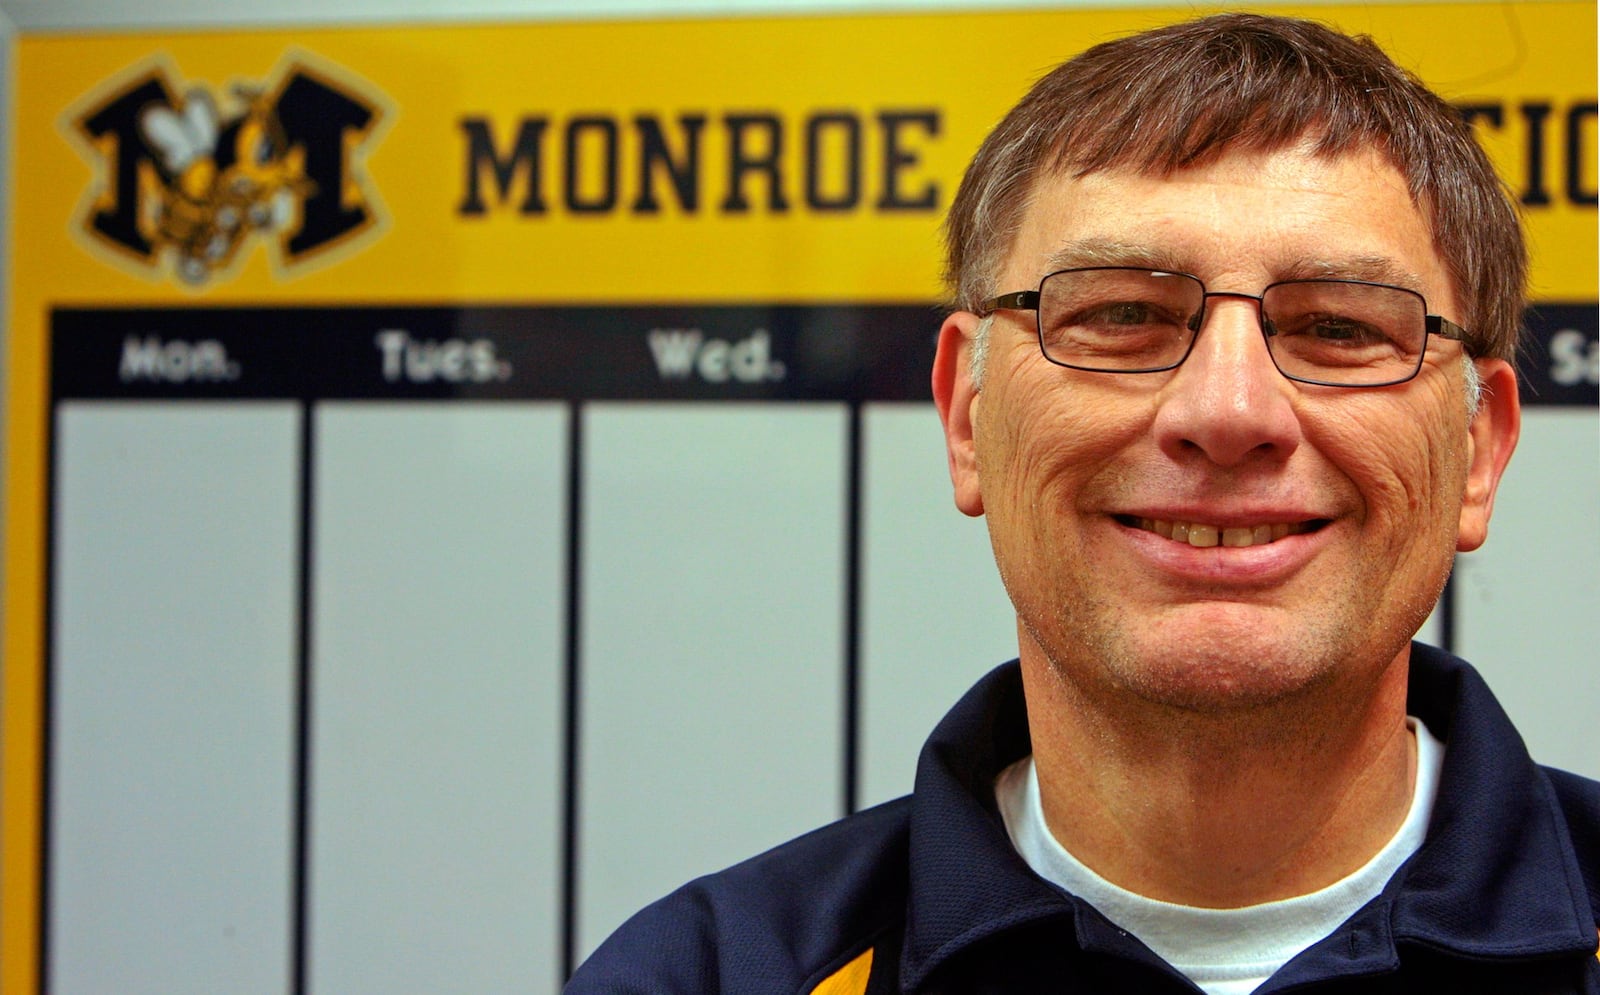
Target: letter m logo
(189, 177)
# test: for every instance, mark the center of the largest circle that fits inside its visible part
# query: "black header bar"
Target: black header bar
(851, 353)
(788, 353)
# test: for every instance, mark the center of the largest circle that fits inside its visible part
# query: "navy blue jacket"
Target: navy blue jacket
(926, 894)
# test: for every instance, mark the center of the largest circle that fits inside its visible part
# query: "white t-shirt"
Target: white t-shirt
(1224, 951)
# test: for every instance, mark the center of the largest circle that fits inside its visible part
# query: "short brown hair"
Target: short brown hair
(1183, 95)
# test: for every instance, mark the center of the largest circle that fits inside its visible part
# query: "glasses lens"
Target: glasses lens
(1358, 334)
(1118, 320)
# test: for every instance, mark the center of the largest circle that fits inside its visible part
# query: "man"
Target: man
(1229, 379)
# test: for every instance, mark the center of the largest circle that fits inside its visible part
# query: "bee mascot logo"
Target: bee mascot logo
(188, 180)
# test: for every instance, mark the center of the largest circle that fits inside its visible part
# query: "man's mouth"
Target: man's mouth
(1204, 534)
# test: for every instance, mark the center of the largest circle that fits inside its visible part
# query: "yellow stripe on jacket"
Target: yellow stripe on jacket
(848, 980)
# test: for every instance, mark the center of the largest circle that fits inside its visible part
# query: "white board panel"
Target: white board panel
(1527, 600)
(935, 615)
(173, 678)
(437, 695)
(712, 641)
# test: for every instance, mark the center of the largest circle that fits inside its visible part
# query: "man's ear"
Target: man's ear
(957, 400)
(1492, 436)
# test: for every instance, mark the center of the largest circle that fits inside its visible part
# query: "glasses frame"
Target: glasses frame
(1433, 325)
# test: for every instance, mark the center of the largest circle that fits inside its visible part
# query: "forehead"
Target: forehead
(1238, 222)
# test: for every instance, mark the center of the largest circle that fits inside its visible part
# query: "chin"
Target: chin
(1227, 665)
(1202, 682)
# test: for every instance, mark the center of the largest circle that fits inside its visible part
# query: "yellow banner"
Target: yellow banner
(773, 159)
(764, 159)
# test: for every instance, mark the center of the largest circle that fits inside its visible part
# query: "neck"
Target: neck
(1222, 809)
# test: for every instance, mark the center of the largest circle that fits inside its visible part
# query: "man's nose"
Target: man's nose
(1228, 402)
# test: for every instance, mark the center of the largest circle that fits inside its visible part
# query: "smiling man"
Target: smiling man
(1228, 377)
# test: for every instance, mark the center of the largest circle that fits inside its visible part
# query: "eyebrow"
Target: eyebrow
(1372, 269)
(1085, 252)
(1088, 252)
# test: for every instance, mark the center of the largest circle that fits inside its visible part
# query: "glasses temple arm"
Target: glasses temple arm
(1445, 328)
(1021, 300)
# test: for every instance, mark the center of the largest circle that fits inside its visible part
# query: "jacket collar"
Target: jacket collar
(967, 882)
(1498, 875)
(1496, 878)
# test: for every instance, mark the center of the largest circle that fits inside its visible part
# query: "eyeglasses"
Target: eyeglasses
(1338, 333)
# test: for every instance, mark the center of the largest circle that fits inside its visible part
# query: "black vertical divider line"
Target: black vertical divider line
(1447, 615)
(47, 692)
(302, 759)
(852, 613)
(569, 812)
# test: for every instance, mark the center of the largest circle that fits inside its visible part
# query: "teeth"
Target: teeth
(1203, 535)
